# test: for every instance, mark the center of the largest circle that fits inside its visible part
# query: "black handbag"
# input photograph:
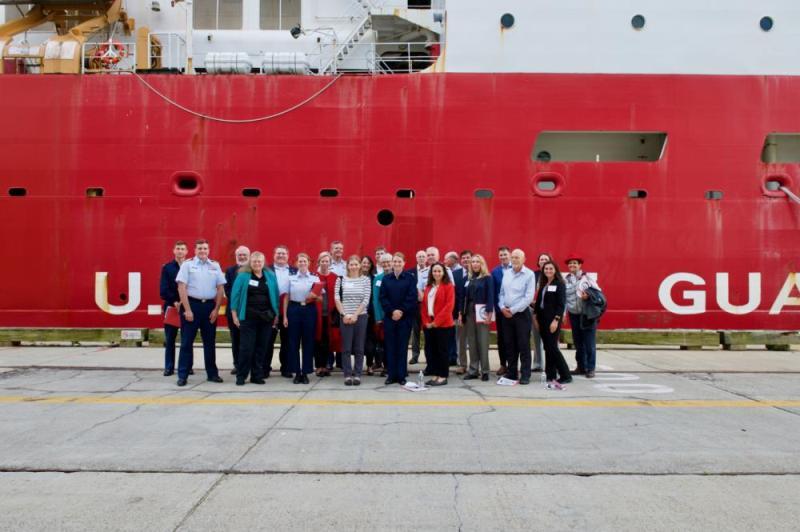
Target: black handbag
(336, 316)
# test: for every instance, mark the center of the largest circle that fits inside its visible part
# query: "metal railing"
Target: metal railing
(108, 57)
(167, 51)
(379, 58)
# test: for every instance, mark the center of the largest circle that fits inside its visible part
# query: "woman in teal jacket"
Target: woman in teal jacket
(254, 308)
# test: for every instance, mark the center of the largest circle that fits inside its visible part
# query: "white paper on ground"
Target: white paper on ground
(502, 381)
(414, 387)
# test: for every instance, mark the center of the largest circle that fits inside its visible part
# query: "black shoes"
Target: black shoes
(414, 360)
(434, 382)
(258, 381)
(470, 376)
(485, 377)
(590, 374)
(305, 379)
(389, 381)
(525, 380)
(215, 379)
(300, 378)
(168, 372)
(401, 382)
(578, 371)
(565, 380)
(181, 382)
(239, 382)
(287, 375)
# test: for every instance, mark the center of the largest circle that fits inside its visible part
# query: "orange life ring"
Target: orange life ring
(111, 53)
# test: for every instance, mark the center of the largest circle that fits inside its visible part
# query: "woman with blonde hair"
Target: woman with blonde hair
(479, 296)
(352, 295)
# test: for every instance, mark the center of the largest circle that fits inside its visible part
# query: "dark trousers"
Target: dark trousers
(517, 339)
(502, 352)
(439, 338)
(554, 360)
(255, 335)
(170, 336)
(302, 328)
(278, 332)
(426, 335)
(208, 332)
(584, 336)
(415, 333)
(322, 349)
(373, 348)
(396, 334)
(452, 348)
(234, 330)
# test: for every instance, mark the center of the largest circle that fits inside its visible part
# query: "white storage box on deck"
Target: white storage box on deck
(285, 63)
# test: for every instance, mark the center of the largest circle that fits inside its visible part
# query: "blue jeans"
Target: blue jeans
(208, 332)
(302, 329)
(396, 335)
(585, 342)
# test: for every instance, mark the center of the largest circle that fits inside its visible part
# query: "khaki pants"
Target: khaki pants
(476, 335)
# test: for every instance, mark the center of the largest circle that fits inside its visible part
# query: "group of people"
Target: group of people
(359, 314)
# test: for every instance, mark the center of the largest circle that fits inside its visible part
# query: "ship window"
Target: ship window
(17, 191)
(507, 20)
(600, 146)
(217, 14)
(385, 217)
(94, 192)
(484, 193)
(546, 186)
(766, 23)
(186, 183)
(279, 14)
(781, 148)
(713, 195)
(637, 22)
(405, 193)
(328, 193)
(637, 193)
(251, 192)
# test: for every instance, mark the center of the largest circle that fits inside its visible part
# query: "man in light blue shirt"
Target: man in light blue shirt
(200, 286)
(516, 295)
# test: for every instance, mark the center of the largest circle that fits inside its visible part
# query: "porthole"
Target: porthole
(543, 156)
(766, 23)
(713, 195)
(637, 193)
(507, 20)
(771, 185)
(638, 22)
(328, 193)
(405, 193)
(484, 193)
(17, 191)
(385, 217)
(186, 183)
(251, 192)
(546, 185)
(94, 192)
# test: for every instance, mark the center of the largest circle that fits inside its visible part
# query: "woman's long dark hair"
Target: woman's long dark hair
(543, 278)
(371, 272)
(445, 277)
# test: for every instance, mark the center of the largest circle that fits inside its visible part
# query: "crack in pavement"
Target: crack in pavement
(199, 502)
(456, 487)
(104, 422)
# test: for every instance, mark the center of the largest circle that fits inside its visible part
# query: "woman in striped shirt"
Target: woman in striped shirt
(352, 299)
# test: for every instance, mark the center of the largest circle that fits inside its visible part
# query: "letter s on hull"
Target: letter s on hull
(697, 297)
(134, 293)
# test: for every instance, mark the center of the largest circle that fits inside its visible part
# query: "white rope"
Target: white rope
(792, 196)
(232, 120)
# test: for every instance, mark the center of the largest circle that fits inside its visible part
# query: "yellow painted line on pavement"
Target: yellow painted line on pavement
(288, 401)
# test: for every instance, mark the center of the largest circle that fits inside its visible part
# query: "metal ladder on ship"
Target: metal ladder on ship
(340, 53)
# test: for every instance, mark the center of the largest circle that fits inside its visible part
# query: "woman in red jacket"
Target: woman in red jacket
(436, 310)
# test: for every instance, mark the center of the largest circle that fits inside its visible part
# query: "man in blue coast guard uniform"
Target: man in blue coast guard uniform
(168, 289)
(200, 286)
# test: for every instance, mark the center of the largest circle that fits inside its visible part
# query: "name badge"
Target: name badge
(253, 282)
(552, 288)
(378, 283)
(194, 269)
(349, 284)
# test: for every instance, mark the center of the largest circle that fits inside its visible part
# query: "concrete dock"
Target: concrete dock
(95, 438)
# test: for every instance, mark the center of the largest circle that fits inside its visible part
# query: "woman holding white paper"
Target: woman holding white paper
(477, 312)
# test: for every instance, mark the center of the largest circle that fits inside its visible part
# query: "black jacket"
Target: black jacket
(459, 278)
(550, 304)
(169, 286)
(479, 292)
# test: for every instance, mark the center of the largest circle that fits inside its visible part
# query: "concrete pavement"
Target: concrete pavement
(97, 439)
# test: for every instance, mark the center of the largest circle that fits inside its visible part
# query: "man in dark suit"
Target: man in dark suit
(169, 295)
(242, 255)
(416, 331)
(460, 276)
(280, 266)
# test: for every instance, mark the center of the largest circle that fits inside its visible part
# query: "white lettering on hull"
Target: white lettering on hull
(697, 298)
(134, 293)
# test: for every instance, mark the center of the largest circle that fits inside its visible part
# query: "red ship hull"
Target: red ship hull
(444, 136)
